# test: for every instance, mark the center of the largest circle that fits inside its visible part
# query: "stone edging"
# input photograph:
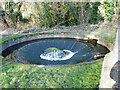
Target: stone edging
(21, 39)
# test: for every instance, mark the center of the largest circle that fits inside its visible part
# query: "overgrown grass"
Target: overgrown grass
(21, 76)
(109, 37)
(107, 33)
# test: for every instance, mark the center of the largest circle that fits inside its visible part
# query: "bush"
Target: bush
(49, 14)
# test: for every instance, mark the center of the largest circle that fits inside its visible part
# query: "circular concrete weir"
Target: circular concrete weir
(27, 49)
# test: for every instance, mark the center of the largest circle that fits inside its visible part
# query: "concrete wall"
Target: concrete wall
(109, 62)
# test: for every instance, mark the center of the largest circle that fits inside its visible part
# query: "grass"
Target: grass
(109, 37)
(108, 34)
(21, 76)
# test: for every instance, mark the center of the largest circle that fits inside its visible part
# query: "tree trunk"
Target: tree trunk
(4, 22)
(81, 12)
(2, 18)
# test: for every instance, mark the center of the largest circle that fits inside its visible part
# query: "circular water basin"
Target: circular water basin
(54, 51)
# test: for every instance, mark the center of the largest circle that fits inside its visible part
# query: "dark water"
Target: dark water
(29, 52)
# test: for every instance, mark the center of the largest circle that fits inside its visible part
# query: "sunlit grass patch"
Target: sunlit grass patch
(22, 76)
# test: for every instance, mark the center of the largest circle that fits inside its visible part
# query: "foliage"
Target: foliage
(13, 14)
(91, 7)
(49, 14)
(68, 14)
(108, 9)
(53, 14)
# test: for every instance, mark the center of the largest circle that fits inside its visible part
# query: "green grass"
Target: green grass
(21, 76)
(109, 37)
(108, 34)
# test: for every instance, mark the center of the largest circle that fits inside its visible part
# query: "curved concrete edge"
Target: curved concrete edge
(21, 39)
(70, 65)
(109, 61)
